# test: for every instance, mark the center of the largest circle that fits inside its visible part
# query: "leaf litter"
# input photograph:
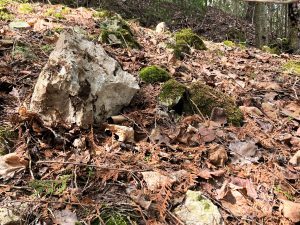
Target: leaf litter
(138, 166)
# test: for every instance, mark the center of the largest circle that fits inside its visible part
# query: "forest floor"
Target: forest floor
(245, 171)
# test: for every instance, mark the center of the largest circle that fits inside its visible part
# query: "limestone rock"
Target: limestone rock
(161, 27)
(10, 213)
(198, 210)
(81, 84)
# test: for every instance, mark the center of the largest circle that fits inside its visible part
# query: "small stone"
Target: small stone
(161, 28)
(198, 210)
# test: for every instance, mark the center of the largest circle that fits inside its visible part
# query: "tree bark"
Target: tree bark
(294, 27)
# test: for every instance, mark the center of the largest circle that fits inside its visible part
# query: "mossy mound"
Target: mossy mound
(236, 35)
(25, 8)
(228, 43)
(270, 50)
(58, 13)
(171, 93)
(154, 74)
(292, 67)
(101, 15)
(5, 14)
(184, 40)
(116, 32)
(204, 98)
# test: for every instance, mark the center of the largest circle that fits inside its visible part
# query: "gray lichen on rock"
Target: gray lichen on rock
(116, 32)
(198, 210)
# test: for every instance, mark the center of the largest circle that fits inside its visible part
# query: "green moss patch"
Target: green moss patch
(103, 14)
(154, 74)
(116, 32)
(171, 93)
(204, 98)
(5, 14)
(7, 139)
(50, 187)
(184, 40)
(292, 67)
(270, 50)
(58, 13)
(228, 43)
(25, 8)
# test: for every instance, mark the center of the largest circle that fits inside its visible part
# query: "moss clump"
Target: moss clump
(47, 48)
(112, 218)
(292, 67)
(50, 187)
(5, 14)
(103, 14)
(204, 98)
(236, 35)
(116, 32)
(154, 74)
(7, 139)
(270, 50)
(58, 13)
(228, 43)
(22, 51)
(171, 93)
(184, 40)
(25, 8)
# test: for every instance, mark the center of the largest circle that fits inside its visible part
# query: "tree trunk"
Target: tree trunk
(258, 17)
(294, 27)
(250, 11)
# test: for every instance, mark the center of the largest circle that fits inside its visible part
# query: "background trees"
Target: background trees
(276, 22)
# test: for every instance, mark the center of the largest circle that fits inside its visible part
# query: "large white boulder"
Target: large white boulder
(81, 84)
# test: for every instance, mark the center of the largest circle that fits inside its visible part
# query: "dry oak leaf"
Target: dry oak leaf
(155, 180)
(293, 110)
(290, 210)
(295, 160)
(219, 156)
(11, 163)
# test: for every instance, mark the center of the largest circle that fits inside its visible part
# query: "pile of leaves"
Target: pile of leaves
(137, 167)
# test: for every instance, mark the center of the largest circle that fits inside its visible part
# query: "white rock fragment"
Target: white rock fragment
(161, 28)
(198, 210)
(81, 84)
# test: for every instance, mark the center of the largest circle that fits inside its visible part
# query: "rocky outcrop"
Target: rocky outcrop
(81, 84)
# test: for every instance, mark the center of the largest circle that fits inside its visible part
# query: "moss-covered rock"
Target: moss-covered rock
(229, 43)
(198, 98)
(154, 74)
(5, 14)
(25, 8)
(171, 93)
(236, 35)
(204, 98)
(292, 67)
(184, 40)
(270, 50)
(101, 15)
(58, 13)
(116, 32)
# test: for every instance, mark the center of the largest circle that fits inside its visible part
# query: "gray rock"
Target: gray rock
(81, 84)
(10, 213)
(198, 210)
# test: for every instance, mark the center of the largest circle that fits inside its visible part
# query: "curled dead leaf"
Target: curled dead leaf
(11, 163)
(290, 210)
